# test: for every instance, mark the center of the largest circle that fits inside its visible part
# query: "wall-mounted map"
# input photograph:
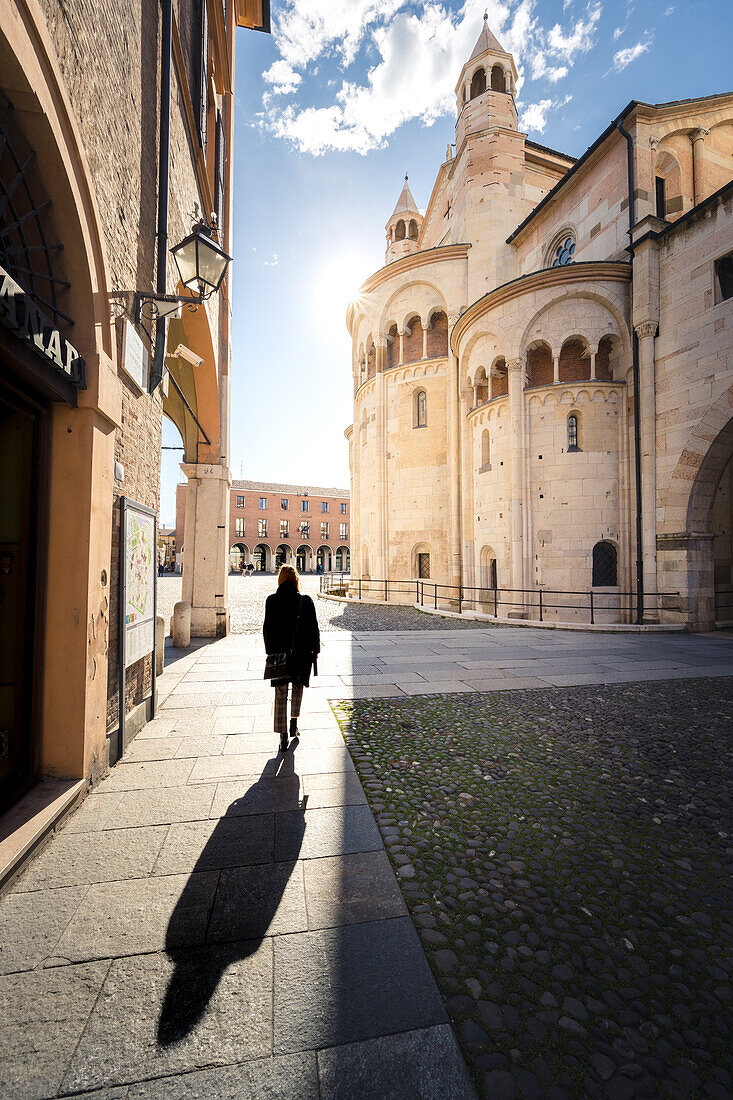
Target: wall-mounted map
(139, 584)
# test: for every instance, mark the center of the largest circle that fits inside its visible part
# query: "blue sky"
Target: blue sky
(331, 110)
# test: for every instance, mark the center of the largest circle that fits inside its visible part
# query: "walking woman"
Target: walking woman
(292, 644)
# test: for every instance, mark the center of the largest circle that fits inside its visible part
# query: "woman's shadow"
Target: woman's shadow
(247, 897)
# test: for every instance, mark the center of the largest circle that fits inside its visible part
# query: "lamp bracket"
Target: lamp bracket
(152, 307)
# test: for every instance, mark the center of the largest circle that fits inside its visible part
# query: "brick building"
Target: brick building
(116, 125)
(272, 525)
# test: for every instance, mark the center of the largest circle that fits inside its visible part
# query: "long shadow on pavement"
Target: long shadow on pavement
(196, 974)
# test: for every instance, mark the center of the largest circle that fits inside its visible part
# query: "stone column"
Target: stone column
(515, 369)
(401, 335)
(206, 548)
(425, 341)
(593, 365)
(646, 331)
(380, 567)
(469, 532)
(555, 368)
(475, 396)
(699, 188)
(455, 428)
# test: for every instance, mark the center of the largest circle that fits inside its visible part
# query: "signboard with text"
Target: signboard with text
(139, 562)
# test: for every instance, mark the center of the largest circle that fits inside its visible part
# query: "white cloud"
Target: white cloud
(273, 262)
(669, 10)
(533, 116)
(618, 32)
(626, 56)
(417, 56)
(282, 76)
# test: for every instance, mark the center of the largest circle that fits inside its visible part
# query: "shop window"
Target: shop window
(605, 565)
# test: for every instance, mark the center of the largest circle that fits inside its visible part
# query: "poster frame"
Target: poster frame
(127, 505)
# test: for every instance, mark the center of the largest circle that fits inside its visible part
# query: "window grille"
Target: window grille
(423, 566)
(564, 252)
(605, 565)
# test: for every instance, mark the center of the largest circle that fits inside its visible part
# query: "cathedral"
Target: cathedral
(543, 369)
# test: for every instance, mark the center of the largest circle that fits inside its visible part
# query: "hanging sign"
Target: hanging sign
(18, 313)
(134, 357)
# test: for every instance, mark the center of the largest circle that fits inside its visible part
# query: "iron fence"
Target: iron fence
(537, 604)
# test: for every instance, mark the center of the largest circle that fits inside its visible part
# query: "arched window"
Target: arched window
(478, 83)
(413, 230)
(498, 82)
(485, 449)
(605, 565)
(564, 251)
(421, 409)
(393, 347)
(573, 432)
(437, 335)
(400, 231)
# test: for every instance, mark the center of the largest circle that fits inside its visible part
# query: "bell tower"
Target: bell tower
(403, 227)
(486, 88)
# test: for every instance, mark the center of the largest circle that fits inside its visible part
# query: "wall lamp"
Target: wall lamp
(202, 265)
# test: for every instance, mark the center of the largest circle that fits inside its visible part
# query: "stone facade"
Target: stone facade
(292, 544)
(493, 442)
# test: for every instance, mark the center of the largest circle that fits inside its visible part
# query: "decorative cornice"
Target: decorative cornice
(591, 271)
(407, 263)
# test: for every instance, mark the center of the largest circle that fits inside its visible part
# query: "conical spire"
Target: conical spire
(486, 41)
(405, 203)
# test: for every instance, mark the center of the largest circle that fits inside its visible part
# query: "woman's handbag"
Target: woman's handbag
(278, 666)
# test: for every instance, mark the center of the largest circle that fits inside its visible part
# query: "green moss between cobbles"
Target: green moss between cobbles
(596, 832)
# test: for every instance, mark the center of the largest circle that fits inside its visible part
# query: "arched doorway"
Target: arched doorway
(282, 556)
(237, 558)
(342, 562)
(304, 559)
(489, 569)
(323, 559)
(261, 558)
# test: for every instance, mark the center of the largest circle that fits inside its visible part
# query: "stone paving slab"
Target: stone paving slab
(211, 845)
(282, 1078)
(76, 859)
(351, 889)
(31, 925)
(131, 918)
(147, 775)
(196, 1026)
(330, 831)
(44, 1015)
(252, 902)
(357, 982)
(424, 1064)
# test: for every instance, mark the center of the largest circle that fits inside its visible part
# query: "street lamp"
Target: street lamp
(201, 262)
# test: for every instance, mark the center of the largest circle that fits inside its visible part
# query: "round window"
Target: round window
(564, 252)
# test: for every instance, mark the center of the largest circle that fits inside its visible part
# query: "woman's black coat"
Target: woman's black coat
(281, 611)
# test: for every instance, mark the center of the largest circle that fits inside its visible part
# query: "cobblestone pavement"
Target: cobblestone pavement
(248, 594)
(565, 857)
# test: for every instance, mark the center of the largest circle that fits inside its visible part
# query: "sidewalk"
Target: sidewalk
(218, 920)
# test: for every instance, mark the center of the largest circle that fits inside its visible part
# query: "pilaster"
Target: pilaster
(205, 548)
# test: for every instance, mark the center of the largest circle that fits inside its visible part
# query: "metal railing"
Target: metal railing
(536, 604)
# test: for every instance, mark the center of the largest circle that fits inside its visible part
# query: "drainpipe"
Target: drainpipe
(163, 173)
(635, 374)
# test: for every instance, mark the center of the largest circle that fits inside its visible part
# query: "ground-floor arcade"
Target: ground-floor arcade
(267, 557)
